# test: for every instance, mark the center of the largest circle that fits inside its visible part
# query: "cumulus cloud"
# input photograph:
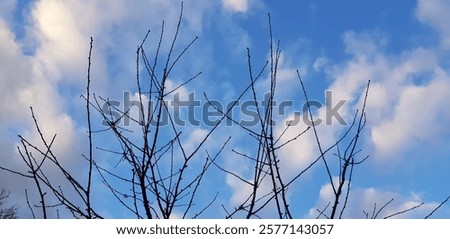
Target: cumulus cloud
(435, 13)
(25, 85)
(415, 117)
(406, 96)
(60, 36)
(59, 33)
(16, 72)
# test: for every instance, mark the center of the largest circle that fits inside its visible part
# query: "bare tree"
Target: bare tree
(156, 175)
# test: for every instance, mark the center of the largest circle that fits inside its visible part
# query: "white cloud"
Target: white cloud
(435, 13)
(61, 38)
(16, 71)
(236, 5)
(61, 31)
(406, 96)
(24, 84)
(27, 86)
(415, 119)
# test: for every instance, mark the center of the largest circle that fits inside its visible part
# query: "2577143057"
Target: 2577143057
(295, 229)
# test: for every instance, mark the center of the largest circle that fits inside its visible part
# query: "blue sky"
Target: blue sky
(402, 47)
